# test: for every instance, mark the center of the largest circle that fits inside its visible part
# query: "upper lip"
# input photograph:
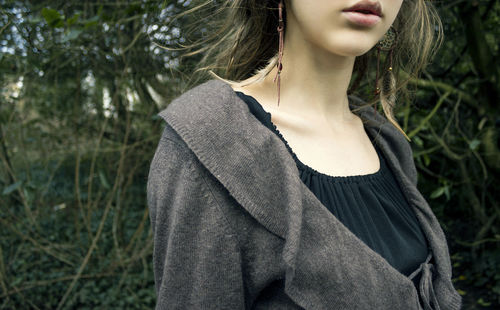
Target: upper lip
(365, 5)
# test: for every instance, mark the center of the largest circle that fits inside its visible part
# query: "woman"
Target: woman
(274, 189)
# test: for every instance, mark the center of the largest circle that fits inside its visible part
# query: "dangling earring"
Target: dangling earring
(281, 27)
(386, 44)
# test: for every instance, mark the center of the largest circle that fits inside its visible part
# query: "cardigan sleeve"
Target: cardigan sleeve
(196, 256)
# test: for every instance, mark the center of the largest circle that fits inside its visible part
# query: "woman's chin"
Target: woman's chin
(353, 51)
(341, 48)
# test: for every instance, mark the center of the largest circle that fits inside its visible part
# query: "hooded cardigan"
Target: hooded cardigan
(234, 227)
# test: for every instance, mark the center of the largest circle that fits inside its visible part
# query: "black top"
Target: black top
(371, 206)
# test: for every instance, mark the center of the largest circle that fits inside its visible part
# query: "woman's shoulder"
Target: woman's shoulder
(386, 134)
(198, 101)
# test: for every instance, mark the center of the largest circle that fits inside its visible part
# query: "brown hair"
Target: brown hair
(243, 42)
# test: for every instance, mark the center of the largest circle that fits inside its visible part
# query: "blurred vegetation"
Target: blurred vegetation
(81, 83)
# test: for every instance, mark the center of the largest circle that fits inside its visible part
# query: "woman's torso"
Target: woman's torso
(368, 202)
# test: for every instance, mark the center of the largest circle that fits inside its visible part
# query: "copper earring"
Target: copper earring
(386, 44)
(279, 65)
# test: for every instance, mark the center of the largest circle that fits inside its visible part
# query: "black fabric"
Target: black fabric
(371, 206)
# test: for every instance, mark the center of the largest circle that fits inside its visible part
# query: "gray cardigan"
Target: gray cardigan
(235, 228)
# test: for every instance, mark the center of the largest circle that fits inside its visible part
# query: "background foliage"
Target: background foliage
(81, 83)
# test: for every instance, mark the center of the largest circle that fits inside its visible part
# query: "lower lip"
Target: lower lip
(362, 19)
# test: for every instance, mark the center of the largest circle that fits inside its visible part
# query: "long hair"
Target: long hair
(240, 41)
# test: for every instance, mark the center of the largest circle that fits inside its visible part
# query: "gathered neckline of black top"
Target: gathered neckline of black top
(333, 179)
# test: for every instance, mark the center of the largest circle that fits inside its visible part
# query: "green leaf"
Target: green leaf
(91, 22)
(427, 160)
(418, 141)
(483, 303)
(71, 35)
(447, 192)
(481, 123)
(28, 195)
(474, 144)
(16, 281)
(52, 17)
(103, 179)
(461, 292)
(9, 189)
(496, 290)
(59, 206)
(438, 192)
(72, 20)
(34, 19)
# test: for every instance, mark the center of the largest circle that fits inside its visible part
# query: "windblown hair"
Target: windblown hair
(242, 42)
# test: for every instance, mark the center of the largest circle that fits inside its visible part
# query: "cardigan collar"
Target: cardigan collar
(260, 173)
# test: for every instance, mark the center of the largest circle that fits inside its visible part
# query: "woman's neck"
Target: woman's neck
(314, 82)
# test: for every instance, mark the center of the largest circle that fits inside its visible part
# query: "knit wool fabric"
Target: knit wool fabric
(234, 227)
